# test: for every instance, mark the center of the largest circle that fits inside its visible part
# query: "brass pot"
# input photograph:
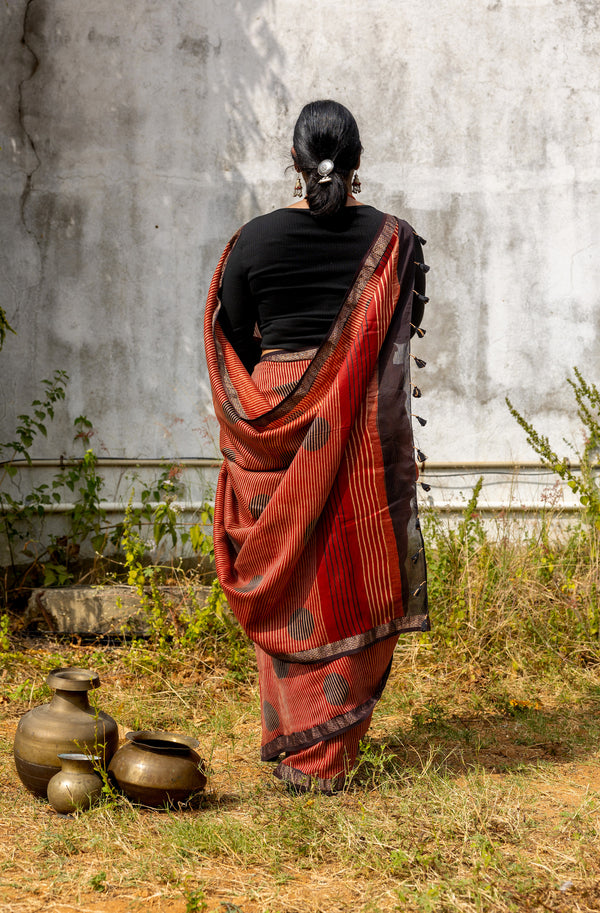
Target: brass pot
(76, 786)
(158, 768)
(67, 724)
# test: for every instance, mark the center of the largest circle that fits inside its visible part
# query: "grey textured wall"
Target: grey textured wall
(136, 137)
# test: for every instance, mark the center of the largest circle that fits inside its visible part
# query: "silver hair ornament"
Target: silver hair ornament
(324, 169)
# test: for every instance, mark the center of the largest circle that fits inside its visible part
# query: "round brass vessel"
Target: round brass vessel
(76, 786)
(158, 768)
(66, 725)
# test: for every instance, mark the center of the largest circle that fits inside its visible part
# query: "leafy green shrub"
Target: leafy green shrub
(155, 522)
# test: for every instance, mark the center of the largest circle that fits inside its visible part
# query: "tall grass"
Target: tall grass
(521, 593)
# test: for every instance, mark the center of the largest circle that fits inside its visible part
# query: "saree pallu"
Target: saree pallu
(317, 539)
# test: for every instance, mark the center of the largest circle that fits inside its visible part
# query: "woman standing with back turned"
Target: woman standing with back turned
(317, 540)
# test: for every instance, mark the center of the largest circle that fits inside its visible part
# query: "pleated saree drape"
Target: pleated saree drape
(317, 539)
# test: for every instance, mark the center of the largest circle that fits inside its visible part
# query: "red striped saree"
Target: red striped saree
(317, 539)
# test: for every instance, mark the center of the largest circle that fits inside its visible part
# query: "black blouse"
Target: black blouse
(288, 273)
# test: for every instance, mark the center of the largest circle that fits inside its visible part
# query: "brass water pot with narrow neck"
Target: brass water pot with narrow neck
(67, 724)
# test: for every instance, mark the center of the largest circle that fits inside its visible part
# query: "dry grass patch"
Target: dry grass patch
(475, 791)
(477, 788)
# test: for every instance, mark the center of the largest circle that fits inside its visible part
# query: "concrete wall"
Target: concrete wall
(137, 137)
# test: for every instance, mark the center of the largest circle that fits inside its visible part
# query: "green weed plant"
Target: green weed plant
(147, 529)
(528, 595)
(523, 595)
(585, 482)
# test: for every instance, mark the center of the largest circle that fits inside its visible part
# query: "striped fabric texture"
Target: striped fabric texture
(317, 540)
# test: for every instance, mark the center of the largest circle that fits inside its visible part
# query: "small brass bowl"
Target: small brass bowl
(158, 769)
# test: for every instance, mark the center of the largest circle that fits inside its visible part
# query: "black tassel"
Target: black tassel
(416, 392)
(419, 331)
(422, 421)
(415, 557)
(419, 362)
(422, 266)
(421, 456)
(418, 589)
(422, 298)
(425, 486)
(419, 238)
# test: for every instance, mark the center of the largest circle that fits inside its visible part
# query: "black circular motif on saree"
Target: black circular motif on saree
(301, 624)
(229, 454)
(270, 716)
(336, 689)
(317, 435)
(258, 504)
(280, 667)
(251, 585)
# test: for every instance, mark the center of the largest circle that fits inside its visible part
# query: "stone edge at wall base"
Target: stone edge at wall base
(104, 610)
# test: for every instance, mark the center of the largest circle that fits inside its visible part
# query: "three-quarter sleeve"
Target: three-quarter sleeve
(238, 314)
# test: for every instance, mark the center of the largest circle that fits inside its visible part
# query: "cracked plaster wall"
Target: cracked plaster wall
(137, 137)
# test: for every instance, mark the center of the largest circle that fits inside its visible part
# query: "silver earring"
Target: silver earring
(356, 188)
(298, 187)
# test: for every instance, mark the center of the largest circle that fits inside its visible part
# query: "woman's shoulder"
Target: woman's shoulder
(278, 221)
(404, 227)
(267, 221)
(289, 214)
(406, 232)
(377, 215)
(258, 229)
